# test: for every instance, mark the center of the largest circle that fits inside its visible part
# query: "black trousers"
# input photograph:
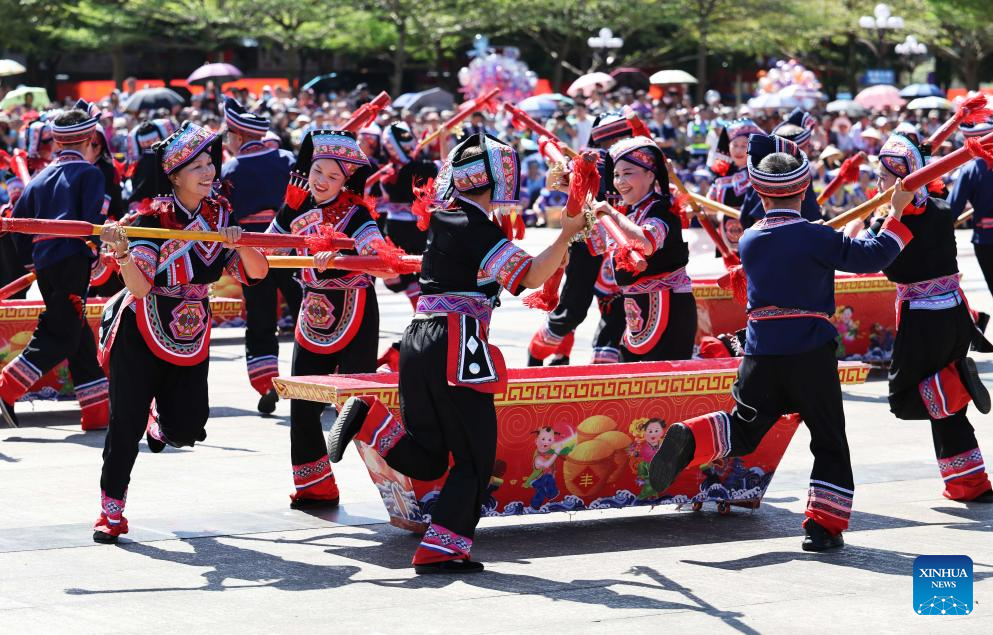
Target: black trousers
(443, 420)
(610, 329)
(262, 312)
(927, 341)
(137, 377)
(405, 235)
(984, 255)
(62, 331)
(768, 387)
(307, 442)
(577, 291)
(677, 340)
(11, 267)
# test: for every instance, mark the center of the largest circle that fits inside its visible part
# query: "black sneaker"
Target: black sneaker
(973, 384)
(7, 414)
(267, 402)
(449, 567)
(346, 426)
(820, 539)
(559, 360)
(534, 361)
(104, 538)
(985, 497)
(674, 454)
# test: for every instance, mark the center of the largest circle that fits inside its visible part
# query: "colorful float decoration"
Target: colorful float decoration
(580, 437)
(865, 316)
(18, 319)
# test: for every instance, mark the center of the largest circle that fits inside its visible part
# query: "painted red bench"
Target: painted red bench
(605, 420)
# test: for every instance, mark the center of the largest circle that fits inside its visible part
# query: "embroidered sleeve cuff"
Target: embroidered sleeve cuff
(900, 232)
(146, 258)
(236, 269)
(598, 242)
(507, 264)
(365, 236)
(655, 231)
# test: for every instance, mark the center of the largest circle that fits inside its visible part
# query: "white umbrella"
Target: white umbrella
(10, 67)
(674, 76)
(591, 82)
(772, 100)
(929, 103)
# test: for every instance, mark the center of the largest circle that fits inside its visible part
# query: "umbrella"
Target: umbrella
(673, 77)
(631, 77)
(326, 83)
(591, 82)
(544, 106)
(16, 97)
(879, 97)
(798, 91)
(218, 72)
(152, 99)
(846, 106)
(930, 103)
(921, 90)
(431, 98)
(10, 67)
(772, 100)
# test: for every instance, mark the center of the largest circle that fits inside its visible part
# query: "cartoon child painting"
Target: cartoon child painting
(549, 445)
(647, 434)
(848, 328)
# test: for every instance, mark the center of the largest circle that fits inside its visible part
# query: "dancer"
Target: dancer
(156, 332)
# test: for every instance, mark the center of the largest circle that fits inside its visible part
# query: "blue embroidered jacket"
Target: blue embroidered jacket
(975, 185)
(790, 264)
(258, 177)
(70, 188)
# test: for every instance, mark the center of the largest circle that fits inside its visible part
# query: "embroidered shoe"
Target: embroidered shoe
(674, 454)
(969, 375)
(267, 402)
(534, 361)
(153, 435)
(7, 414)
(346, 426)
(820, 539)
(449, 567)
(559, 360)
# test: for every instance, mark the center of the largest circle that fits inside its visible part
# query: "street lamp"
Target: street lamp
(604, 41)
(911, 50)
(881, 21)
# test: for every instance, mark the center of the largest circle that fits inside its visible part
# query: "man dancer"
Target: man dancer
(789, 363)
(70, 188)
(258, 176)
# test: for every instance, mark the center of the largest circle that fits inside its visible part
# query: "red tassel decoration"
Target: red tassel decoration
(680, 207)
(421, 207)
(638, 127)
(323, 240)
(391, 255)
(720, 167)
(936, 186)
(977, 150)
(973, 110)
(296, 191)
(624, 259)
(585, 181)
(546, 298)
(519, 226)
(735, 280)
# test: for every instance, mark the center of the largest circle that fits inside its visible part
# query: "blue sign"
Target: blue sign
(879, 76)
(943, 585)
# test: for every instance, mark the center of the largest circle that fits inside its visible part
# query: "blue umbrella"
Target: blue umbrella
(921, 90)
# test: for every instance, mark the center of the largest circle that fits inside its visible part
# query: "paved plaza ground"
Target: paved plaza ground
(214, 545)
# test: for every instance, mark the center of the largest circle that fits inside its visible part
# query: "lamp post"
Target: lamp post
(603, 42)
(881, 21)
(911, 50)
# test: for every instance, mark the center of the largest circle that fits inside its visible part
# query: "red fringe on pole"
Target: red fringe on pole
(546, 298)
